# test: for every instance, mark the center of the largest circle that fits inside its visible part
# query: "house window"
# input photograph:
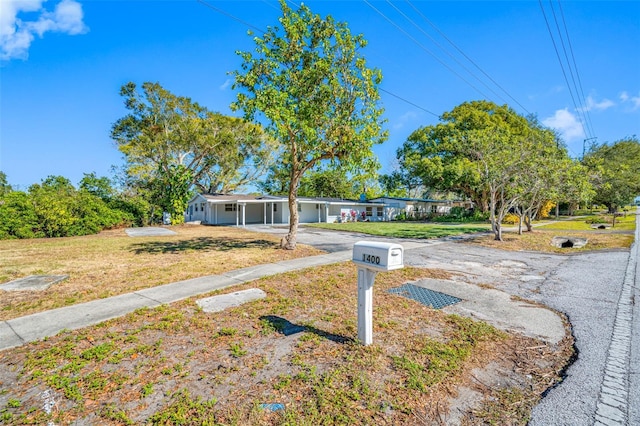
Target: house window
(202, 207)
(317, 206)
(379, 211)
(299, 207)
(230, 207)
(369, 211)
(275, 208)
(196, 207)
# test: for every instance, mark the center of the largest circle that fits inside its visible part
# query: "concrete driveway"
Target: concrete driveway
(587, 287)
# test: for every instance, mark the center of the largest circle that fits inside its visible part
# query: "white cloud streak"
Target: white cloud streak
(226, 84)
(598, 106)
(404, 119)
(634, 100)
(567, 124)
(16, 35)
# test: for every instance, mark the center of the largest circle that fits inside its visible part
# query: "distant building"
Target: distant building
(240, 210)
(417, 208)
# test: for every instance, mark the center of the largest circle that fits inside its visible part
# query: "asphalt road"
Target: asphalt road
(602, 386)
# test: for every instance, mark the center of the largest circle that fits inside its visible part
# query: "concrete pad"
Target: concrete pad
(149, 231)
(33, 282)
(180, 290)
(8, 337)
(224, 301)
(498, 309)
(568, 242)
(50, 323)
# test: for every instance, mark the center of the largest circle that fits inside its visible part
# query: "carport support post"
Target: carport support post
(366, 277)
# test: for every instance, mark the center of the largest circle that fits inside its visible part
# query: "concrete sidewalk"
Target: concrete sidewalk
(18, 331)
(495, 307)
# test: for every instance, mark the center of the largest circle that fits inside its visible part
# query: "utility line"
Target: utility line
(581, 102)
(409, 102)
(425, 49)
(589, 123)
(555, 47)
(210, 6)
(466, 56)
(222, 12)
(445, 50)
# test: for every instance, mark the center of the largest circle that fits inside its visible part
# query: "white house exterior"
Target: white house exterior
(417, 208)
(240, 210)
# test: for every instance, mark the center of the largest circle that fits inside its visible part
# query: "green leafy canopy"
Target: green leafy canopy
(312, 87)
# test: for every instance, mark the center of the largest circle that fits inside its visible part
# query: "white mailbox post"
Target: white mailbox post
(372, 257)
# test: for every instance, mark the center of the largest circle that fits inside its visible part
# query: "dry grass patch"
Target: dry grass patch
(179, 365)
(113, 263)
(539, 240)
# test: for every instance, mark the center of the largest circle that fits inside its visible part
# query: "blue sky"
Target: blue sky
(62, 64)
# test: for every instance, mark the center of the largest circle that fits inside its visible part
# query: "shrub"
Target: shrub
(597, 220)
(511, 219)
(544, 211)
(17, 216)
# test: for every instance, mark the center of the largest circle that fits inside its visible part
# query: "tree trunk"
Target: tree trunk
(498, 232)
(289, 242)
(520, 220)
(495, 222)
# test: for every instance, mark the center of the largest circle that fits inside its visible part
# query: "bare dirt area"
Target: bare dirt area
(291, 358)
(113, 263)
(541, 241)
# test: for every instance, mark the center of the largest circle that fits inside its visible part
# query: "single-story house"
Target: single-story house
(239, 210)
(417, 208)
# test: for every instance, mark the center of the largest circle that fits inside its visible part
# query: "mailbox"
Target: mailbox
(378, 256)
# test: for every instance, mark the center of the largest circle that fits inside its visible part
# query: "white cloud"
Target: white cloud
(598, 106)
(404, 119)
(635, 100)
(17, 35)
(566, 123)
(226, 84)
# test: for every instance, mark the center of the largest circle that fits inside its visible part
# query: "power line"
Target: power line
(589, 123)
(555, 47)
(222, 12)
(444, 50)
(409, 102)
(581, 103)
(425, 49)
(466, 56)
(210, 6)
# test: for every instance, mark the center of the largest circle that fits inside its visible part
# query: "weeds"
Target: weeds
(246, 356)
(183, 409)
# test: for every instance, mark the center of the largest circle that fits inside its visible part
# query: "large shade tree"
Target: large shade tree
(309, 83)
(477, 150)
(615, 171)
(172, 144)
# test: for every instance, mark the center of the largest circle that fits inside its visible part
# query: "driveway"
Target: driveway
(586, 287)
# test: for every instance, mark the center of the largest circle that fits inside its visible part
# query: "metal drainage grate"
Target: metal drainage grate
(427, 297)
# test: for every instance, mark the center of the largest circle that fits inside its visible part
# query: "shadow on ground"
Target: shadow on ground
(287, 328)
(201, 244)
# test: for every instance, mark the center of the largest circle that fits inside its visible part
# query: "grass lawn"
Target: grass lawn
(405, 229)
(625, 223)
(176, 364)
(113, 263)
(620, 237)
